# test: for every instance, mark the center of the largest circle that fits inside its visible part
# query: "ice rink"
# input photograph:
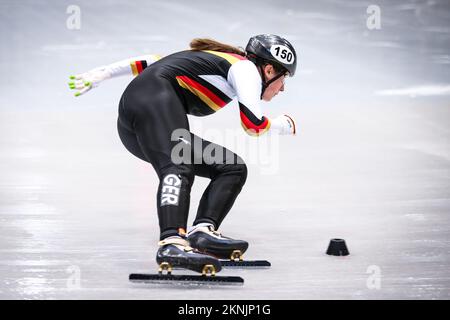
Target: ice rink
(371, 163)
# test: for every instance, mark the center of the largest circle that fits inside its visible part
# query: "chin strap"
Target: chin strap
(265, 83)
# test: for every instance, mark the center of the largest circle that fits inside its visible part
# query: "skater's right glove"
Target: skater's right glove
(284, 125)
(86, 81)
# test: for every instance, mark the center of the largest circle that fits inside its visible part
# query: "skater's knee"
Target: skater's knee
(238, 171)
(241, 170)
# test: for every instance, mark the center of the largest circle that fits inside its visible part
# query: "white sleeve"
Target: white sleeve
(244, 78)
(131, 66)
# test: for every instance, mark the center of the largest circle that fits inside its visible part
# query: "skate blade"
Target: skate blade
(241, 264)
(257, 264)
(185, 279)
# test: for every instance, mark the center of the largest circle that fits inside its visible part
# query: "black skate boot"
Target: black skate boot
(176, 252)
(205, 239)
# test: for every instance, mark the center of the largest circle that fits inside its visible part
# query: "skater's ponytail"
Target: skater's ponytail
(199, 44)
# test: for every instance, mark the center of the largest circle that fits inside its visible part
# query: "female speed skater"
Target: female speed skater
(154, 108)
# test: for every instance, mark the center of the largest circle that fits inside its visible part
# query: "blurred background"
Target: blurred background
(371, 162)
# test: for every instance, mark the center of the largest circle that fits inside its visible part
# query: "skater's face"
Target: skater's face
(275, 87)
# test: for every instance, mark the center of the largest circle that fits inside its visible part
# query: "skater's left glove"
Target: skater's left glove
(86, 81)
(284, 124)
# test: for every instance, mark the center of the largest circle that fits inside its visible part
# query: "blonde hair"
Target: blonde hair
(199, 44)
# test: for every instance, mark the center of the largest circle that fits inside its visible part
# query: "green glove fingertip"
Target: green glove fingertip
(72, 77)
(87, 83)
(77, 94)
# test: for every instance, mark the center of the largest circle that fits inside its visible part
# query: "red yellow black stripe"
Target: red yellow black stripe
(251, 124)
(230, 57)
(206, 95)
(138, 66)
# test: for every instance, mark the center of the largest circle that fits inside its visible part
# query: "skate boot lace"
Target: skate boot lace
(207, 229)
(215, 232)
(178, 242)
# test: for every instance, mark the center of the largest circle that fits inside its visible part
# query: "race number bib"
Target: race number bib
(282, 54)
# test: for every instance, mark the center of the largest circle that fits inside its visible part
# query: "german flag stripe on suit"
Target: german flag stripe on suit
(211, 99)
(251, 124)
(138, 66)
(230, 57)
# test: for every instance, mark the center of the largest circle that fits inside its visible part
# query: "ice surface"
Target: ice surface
(77, 210)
